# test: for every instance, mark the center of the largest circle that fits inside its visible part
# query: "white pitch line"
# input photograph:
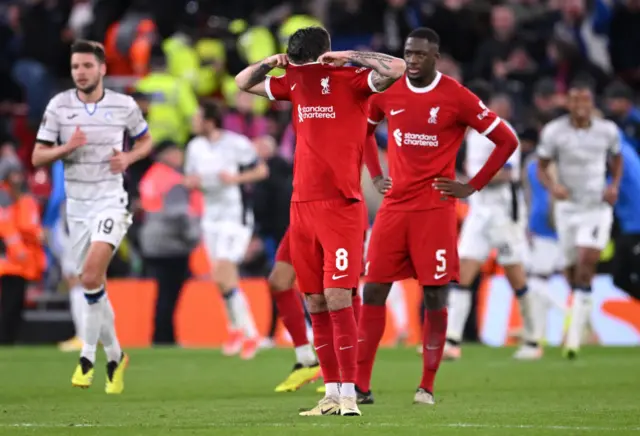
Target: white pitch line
(309, 423)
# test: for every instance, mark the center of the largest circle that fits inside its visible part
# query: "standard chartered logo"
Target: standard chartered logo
(310, 112)
(417, 139)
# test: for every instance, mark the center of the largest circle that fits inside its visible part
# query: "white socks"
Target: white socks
(347, 390)
(240, 314)
(580, 313)
(305, 355)
(526, 300)
(78, 306)
(538, 288)
(333, 390)
(459, 308)
(99, 324)
(108, 333)
(398, 306)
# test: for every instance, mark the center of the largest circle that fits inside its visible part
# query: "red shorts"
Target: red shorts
(326, 238)
(283, 253)
(414, 244)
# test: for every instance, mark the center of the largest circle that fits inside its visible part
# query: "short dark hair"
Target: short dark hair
(481, 88)
(308, 44)
(211, 111)
(425, 33)
(90, 47)
(583, 82)
(619, 89)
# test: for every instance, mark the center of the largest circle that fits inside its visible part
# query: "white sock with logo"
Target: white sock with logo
(459, 309)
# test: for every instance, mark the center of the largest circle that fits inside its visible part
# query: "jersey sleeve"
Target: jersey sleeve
(49, 129)
(376, 113)
(546, 148)
(472, 112)
(245, 152)
(277, 87)
(362, 81)
(614, 142)
(136, 124)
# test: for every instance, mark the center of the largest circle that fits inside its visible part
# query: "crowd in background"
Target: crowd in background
(170, 54)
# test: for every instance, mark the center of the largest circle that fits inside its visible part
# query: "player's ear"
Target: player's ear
(103, 69)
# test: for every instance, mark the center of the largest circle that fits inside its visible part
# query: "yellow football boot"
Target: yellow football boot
(326, 406)
(115, 375)
(299, 376)
(83, 375)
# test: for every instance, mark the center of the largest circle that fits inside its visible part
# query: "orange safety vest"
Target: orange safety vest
(158, 180)
(22, 234)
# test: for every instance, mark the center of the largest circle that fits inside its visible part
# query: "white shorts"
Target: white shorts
(226, 240)
(108, 226)
(543, 258)
(484, 230)
(588, 228)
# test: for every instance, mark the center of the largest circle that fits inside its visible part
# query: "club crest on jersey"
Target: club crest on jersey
(433, 115)
(324, 82)
(108, 116)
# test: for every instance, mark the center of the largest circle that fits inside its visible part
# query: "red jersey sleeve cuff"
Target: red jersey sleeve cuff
(370, 81)
(267, 88)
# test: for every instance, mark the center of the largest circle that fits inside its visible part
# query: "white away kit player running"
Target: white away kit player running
(85, 127)
(218, 162)
(581, 145)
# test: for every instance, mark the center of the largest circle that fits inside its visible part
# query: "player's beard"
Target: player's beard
(88, 89)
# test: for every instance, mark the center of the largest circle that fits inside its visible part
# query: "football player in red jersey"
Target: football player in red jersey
(281, 282)
(415, 234)
(330, 106)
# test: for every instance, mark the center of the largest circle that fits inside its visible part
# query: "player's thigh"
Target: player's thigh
(388, 251)
(543, 256)
(433, 236)
(474, 242)
(227, 241)
(509, 239)
(79, 242)
(309, 259)
(594, 229)
(567, 232)
(108, 229)
(340, 231)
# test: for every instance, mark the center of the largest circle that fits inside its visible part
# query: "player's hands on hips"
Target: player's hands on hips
(228, 178)
(335, 58)
(453, 188)
(192, 182)
(119, 162)
(611, 194)
(78, 139)
(559, 192)
(382, 184)
(277, 61)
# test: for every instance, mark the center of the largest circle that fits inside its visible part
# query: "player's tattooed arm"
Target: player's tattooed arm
(386, 69)
(251, 79)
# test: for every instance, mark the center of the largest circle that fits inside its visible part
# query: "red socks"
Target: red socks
(370, 331)
(345, 340)
(433, 339)
(356, 303)
(324, 345)
(292, 315)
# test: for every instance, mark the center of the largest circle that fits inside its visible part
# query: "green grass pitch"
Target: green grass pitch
(199, 392)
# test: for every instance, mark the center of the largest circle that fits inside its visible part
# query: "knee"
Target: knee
(91, 280)
(435, 297)
(375, 294)
(316, 303)
(281, 278)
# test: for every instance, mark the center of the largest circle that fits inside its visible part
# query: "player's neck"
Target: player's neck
(581, 123)
(91, 97)
(214, 135)
(425, 81)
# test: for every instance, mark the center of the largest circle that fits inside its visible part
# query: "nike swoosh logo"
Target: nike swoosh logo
(360, 340)
(439, 276)
(323, 345)
(294, 86)
(70, 117)
(396, 112)
(335, 277)
(431, 348)
(346, 348)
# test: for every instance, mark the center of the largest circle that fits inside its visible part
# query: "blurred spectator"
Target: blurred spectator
(80, 18)
(504, 55)
(447, 65)
(242, 118)
(585, 32)
(173, 102)
(169, 233)
(23, 259)
(546, 103)
(622, 110)
(398, 20)
(624, 40)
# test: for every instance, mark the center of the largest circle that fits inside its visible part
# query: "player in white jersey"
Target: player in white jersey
(86, 127)
(496, 220)
(217, 162)
(581, 145)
